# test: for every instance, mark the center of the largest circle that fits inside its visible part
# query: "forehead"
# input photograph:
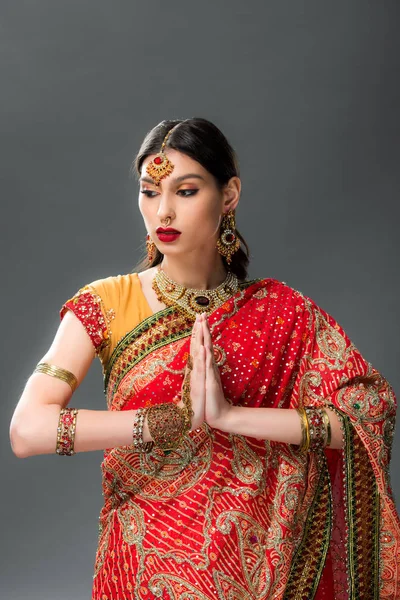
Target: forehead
(183, 165)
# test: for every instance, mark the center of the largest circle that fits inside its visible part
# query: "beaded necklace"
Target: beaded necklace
(192, 300)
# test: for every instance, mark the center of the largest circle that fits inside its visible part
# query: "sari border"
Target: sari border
(137, 331)
(310, 557)
(147, 323)
(362, 507)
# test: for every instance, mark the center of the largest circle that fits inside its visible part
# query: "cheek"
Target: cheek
(204, 223)
(144, 207)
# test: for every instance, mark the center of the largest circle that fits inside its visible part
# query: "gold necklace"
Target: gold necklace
(192, 300)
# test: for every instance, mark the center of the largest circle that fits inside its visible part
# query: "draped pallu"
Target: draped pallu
(233, 517)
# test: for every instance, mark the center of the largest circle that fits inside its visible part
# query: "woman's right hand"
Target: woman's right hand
(197, 375)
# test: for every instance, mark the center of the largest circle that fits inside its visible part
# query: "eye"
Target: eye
(187, 193)
(147, 193)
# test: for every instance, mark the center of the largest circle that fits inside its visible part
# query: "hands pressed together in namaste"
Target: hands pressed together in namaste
(208, 400)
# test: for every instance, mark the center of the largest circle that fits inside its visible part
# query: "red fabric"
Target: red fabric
(86, 305)
(222, 516)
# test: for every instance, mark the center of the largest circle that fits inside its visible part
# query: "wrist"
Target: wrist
(224, 419)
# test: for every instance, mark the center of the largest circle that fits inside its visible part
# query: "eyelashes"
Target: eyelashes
(186, 193)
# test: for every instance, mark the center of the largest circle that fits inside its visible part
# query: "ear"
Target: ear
(231, 194)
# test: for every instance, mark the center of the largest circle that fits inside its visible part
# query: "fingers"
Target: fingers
(197, 337)
(210, 359)
(197, 351)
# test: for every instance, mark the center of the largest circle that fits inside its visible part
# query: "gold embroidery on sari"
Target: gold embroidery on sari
(252, 544)
(230, 513)
(309, 559)
(228, 588)
(157, 476)
(176, 587)
(154, 332)
(246, 464)
(363, 513)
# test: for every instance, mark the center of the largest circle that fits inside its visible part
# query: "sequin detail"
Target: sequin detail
(87, 305)
(233, 517)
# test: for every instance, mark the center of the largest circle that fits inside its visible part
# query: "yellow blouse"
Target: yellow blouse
(109, 308)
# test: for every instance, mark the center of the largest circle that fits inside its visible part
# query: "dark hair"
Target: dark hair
(204, 142)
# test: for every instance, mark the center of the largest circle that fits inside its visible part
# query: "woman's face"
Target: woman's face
(190, 197)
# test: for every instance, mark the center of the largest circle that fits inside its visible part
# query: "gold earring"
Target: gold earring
(228, 243)
(150, 247)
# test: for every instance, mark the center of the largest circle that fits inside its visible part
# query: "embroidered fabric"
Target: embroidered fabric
(233, 517)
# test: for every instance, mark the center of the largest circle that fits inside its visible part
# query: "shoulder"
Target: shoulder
(100, 305)
(113, 287)
(281, 292)
(306, 307)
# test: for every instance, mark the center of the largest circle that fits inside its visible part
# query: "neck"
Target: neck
(201, 275)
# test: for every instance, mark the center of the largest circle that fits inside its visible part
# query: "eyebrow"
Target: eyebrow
(176, 179)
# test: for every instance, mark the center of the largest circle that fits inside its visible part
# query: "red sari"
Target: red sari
(238, 518)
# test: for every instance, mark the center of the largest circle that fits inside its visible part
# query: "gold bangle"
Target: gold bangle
(305, 430)
(328, 429)
(66, 431)
(59, 373)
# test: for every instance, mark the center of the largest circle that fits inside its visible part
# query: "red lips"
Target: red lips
(166, 230)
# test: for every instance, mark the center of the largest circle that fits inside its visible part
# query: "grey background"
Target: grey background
(308, 94)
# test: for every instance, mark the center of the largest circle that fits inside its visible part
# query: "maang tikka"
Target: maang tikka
(228, 243)
(157, 169)
(161, 166)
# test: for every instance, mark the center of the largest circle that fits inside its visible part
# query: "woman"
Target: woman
(247, 441)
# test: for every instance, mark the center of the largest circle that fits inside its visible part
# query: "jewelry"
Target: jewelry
(328, 429)
(161, 166)
(186, 398)
(59, 373)
(66, 431)
(305, 430)
(150, 248)
(150, 245)
(137, 432)
(191, 300)
(318, 430)
(229, 242)
(167, 425)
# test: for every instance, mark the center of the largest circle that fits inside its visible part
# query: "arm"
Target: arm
(33, 428)
(275, 424)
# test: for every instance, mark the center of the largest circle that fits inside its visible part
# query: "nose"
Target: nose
(165, 206)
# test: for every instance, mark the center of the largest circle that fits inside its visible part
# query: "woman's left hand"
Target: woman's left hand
(216, 408)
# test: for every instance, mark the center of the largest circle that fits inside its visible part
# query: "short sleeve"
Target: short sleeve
(89, 305)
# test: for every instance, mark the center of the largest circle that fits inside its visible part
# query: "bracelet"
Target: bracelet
(305, 430)
(318, 430)
(328, 429)
(66, 431)
(137, 432)
(59, 373)
(167, 425)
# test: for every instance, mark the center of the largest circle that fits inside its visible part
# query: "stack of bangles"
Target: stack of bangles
(67, 419)
(315, 429)
(168, 423)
